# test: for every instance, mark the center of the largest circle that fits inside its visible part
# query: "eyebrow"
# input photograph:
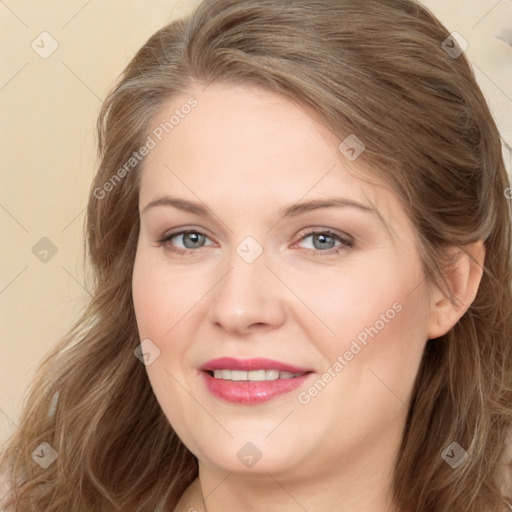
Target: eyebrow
(292, 210)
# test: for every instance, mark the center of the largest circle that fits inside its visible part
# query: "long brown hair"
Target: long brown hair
(379, 69)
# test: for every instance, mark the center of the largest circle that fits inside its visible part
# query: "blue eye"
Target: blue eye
(324, 242)
(191, 239)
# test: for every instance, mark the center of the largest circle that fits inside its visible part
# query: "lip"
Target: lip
(251, 392)
(257, 363)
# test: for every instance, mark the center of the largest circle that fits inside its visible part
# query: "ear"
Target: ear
(463, 281)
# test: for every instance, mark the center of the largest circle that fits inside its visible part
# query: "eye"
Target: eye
(324, 242)
(190, 239)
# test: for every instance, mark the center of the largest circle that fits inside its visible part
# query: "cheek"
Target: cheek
(167, 304)
(148, 301)
(159, 297)
(370, 365)
(350, 300)
(160, 301)
(378, 353)
(374, 316)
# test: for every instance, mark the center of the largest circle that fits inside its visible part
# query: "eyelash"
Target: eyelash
(348, 242)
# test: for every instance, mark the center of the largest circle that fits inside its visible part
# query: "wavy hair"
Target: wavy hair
(377, 69)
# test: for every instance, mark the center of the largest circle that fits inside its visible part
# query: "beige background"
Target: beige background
(48, 110)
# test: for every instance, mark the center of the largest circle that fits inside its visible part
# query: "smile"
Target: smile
(254, 375)
(251, 381)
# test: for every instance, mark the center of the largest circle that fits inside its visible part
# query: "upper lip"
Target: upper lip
(258, 363)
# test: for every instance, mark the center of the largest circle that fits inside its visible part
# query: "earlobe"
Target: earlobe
(463, 281)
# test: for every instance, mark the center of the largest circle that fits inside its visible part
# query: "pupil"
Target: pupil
(322, 239)
(196, 240)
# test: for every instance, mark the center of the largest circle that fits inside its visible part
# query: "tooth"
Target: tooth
(256, 375)
(271, 374)
(238, 375)
(253, 375)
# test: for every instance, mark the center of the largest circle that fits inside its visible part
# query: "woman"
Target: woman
(301, 243)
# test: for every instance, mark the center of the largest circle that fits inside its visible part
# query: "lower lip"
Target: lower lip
(251, 392)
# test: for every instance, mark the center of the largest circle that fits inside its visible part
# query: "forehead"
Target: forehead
(240, 124)
(246, 144)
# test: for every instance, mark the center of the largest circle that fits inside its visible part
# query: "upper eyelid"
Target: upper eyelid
(172, 234)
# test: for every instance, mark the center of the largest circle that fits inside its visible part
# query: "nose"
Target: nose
(249, 297)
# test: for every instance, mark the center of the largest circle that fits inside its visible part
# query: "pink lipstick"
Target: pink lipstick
(251, 381)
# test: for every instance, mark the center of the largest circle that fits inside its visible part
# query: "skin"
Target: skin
(245, 153)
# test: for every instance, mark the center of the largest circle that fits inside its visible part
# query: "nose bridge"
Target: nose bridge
(249, 293)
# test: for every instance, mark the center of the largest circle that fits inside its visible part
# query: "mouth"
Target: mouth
(251, 381)
(253, 375)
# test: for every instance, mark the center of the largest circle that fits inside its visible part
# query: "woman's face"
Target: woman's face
(267, 271)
